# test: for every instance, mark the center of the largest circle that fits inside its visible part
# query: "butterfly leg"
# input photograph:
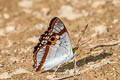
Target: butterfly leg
(56, 69)
(74, 61)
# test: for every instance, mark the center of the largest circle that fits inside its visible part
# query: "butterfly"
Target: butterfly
(54, 47)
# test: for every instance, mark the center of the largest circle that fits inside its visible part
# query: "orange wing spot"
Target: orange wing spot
(52, 39)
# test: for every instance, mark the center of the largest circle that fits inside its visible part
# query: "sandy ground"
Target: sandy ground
(23, 21)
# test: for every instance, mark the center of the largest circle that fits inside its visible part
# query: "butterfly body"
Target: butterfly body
(54, 47)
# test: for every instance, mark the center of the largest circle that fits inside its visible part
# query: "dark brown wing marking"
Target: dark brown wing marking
(43, 59)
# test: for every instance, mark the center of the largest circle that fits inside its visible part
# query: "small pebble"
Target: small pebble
(6, 15)
(27, 10)
(1, 65)
(4, 51)
(68, 12)
(25, 3)
(20, 71)
(10, 43)
(98, 3)
(116, 2)
(14, 59)
(45, 10)
(2, 32)
(100, 29)
(10, 29)
(33, 39)
(115, 21)
(5, 75)
(39, 26)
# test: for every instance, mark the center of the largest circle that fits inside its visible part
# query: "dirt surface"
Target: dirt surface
(23, 21)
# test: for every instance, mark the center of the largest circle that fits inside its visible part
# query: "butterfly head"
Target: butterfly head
(75, 50)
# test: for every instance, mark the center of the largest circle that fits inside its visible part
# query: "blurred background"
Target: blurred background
(23, 21)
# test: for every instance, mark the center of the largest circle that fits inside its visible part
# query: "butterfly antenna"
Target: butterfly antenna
(83, 32)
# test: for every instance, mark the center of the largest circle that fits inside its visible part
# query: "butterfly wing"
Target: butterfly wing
(57, 49)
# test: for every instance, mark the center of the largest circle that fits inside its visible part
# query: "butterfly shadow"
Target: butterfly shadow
(81, 62)
(84, 61)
